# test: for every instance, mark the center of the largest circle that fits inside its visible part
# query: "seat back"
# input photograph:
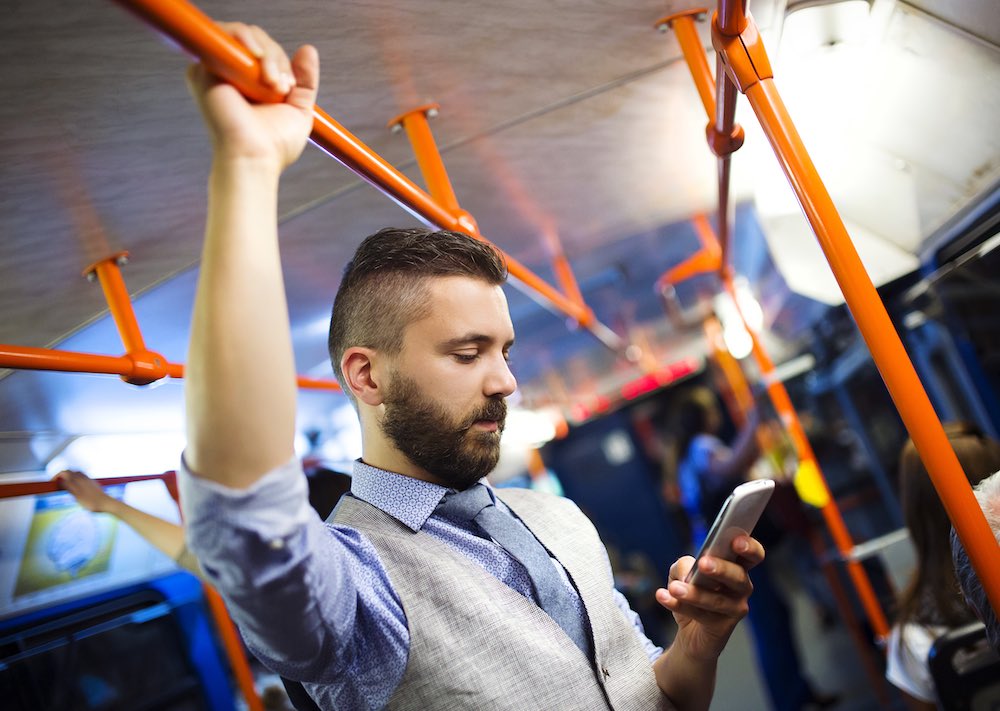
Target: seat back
(966, 670)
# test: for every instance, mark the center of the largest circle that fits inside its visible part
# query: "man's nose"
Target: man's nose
(500, 381)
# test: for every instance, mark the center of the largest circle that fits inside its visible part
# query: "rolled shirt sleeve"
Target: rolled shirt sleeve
(311, 600)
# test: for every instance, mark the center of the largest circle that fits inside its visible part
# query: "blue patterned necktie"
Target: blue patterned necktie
(475, 505)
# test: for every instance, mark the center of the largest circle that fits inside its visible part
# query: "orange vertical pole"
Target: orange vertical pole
(718, 96)
(724, 138)
(748, 66)
(831, 513)
(234, 648)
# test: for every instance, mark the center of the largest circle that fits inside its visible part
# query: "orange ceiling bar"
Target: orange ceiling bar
(682, 23)
(139, 366)
(109, 275)
(718, 96)
(200, 36)
(418, 130)
(748, 66)
(435, 174)
(28, 358)
(224, 624)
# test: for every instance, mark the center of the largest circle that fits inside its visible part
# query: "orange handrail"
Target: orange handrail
(200, 36)
(138, 366)
(418, 130)
(718, 96)
(9, 490)
(224, 624)
(748, 66)
(435, 174)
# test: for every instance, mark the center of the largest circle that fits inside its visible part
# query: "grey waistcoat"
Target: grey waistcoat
(477, 644)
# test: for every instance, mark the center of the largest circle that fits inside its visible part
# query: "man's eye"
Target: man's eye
(466, 357)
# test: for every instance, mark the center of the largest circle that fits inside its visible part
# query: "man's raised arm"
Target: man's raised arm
(240, 379)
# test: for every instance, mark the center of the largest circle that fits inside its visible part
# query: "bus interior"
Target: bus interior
(647, 170)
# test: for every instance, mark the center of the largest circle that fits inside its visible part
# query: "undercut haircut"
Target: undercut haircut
(385, 286)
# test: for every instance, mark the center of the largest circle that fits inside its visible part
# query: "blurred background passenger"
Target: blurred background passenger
(164, 535)
(932, 603)
(707, 471)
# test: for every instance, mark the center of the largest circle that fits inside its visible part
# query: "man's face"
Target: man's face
(445, 400)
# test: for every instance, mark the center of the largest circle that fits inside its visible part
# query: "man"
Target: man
(404, 601)
(988, 494)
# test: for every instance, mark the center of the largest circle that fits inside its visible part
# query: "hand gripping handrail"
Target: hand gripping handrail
(224, 56)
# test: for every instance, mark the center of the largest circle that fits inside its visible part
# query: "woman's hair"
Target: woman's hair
(933, 596)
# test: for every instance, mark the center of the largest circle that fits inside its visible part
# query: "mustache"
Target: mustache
(495, 410)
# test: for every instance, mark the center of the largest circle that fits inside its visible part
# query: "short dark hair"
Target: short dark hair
(384, 286)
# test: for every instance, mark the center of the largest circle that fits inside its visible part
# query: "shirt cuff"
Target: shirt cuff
(274, 507)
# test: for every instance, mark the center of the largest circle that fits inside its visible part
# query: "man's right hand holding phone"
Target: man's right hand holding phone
(708, 612)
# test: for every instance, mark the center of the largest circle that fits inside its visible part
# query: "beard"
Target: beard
(449, 450)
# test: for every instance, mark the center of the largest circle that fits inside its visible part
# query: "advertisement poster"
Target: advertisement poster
(65, 543)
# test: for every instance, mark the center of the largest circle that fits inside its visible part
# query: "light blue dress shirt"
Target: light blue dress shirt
(312, 600)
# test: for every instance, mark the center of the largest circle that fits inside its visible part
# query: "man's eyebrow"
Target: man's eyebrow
(473, 339)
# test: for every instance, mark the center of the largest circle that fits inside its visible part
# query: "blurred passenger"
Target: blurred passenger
(988, 494)
(932, 602)
(708, 471)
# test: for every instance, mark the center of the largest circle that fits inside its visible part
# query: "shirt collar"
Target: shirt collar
(408, 500)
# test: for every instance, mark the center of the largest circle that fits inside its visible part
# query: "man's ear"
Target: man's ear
(358, 367)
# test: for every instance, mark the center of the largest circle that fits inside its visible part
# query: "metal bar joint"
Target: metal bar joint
(744, 56)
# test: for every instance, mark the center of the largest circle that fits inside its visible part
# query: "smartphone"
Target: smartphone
(738, 516)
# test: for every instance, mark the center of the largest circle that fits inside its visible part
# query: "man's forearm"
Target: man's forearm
(165, 536)
(688, 683)
(240, 379)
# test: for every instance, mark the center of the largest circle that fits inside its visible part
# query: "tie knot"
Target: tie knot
(464, 506)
